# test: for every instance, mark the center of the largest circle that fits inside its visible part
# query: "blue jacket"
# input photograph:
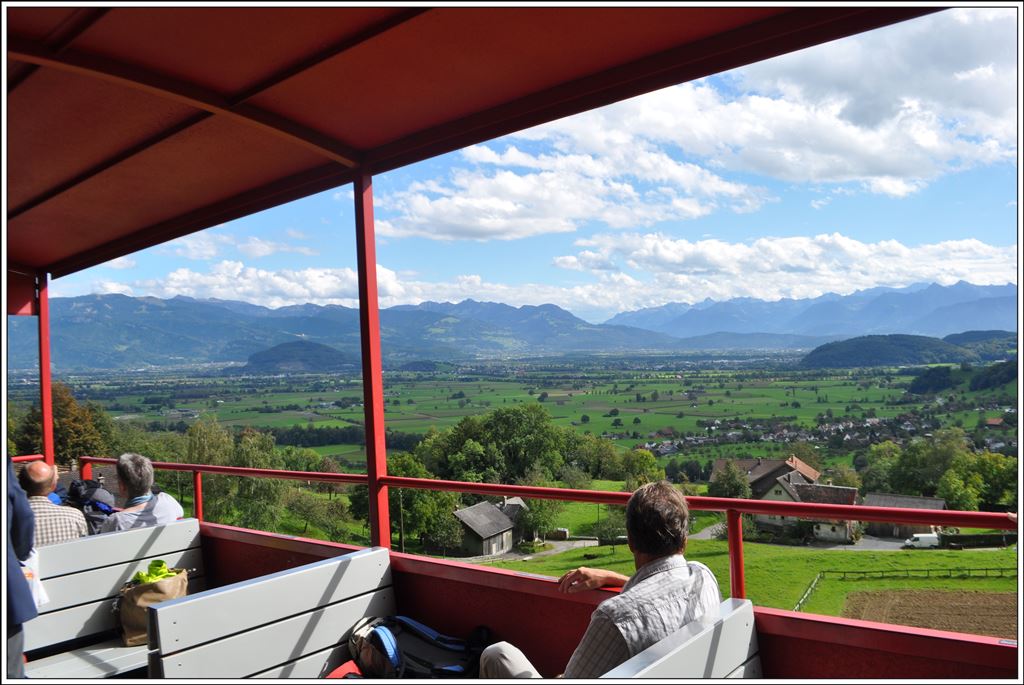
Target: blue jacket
(21, 529)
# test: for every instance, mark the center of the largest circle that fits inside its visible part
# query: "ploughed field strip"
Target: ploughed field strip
(980, 613)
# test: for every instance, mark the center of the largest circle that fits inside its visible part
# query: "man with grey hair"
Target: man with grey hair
(54, 523)
(664, 594)
(142, 507)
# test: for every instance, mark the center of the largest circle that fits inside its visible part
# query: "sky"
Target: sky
(885, 159)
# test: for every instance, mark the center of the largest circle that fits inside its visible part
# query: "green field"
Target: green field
(777, 576)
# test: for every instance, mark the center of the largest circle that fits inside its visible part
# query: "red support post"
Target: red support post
(45, 389)
(197, 494)
(373, 379)
(737, 582)
(85, 469)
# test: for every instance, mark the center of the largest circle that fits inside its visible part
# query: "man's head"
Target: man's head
(135, 474)
(38, 479)
(657, 520)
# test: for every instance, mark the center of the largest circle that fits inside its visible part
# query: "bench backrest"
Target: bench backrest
(82, 577)
(713, 647)
(290, 624)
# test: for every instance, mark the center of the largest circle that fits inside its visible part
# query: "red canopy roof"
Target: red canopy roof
(128, 127)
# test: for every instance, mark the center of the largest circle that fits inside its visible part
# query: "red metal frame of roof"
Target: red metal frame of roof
(131, 126)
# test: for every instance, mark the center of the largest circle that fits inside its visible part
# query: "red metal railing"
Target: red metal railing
(28, 457)
(734, 508)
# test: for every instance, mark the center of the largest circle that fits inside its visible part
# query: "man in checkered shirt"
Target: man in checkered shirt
(54, 523)
(664, 594)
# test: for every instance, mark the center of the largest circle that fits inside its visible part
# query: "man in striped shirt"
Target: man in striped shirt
(54, 523)
(664, 594)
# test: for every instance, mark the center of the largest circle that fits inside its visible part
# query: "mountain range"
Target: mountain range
(121, 332)
(922, 309)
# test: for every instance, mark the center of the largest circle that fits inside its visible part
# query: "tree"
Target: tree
(640, 466)
(636, 420)
(730, 482)
(442, 529)
(806, 453)
(845, 476)
(881, 459)
(257, 500)
(584, 419)
(303, 504)
(923, 462)
(409, 510)
(78, 429)
(574, 477)
(611, 527)
(541, 514)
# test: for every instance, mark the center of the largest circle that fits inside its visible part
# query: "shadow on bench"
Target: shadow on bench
(713, 647)
(290, 624)
(74, 634)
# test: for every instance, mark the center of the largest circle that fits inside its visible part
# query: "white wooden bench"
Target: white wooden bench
(290, 624)
(74, 630)
(723, 646)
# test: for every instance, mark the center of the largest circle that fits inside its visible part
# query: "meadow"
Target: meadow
(777, 576)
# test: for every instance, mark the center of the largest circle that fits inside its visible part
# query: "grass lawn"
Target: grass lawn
(777, 575)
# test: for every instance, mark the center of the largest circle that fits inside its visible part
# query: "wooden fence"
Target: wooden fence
(902, 573)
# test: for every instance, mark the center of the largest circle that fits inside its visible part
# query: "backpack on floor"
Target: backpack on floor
(399, 647)
(95, 502)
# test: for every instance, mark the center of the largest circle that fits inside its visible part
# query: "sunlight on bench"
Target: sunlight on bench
(290, 624)
(724, 646)
(73, 636)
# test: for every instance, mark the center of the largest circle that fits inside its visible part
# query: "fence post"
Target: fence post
(736, 579)
(197, 494)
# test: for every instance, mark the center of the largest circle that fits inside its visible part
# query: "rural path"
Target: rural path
(867, 543)
(557, 547)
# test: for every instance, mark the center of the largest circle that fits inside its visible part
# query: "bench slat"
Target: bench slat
(80, 621)
(316, 665)
(189, 621)
(111, 548)
(712, 647)
(97, 661)
(260, 649)
(104, 583)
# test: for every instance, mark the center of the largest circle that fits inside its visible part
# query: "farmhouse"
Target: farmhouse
(513, 508)
(762, 474)
(900, 530)
(485, 530)
(837, 531)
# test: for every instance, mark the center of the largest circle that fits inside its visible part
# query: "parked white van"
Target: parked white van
(922, 540)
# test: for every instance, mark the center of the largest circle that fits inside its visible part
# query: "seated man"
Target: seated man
(143, 508)
(54, 523)
(664, 594)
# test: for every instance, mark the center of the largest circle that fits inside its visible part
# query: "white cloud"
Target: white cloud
(112, 288)
(796, 267)
(626, 272)
(200, 246)
(120, 263)
(257, 247)
(299, 235)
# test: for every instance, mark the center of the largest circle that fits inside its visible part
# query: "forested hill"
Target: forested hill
(886, 350)
(300, 356)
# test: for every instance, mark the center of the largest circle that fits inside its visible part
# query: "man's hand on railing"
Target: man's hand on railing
(585, 578)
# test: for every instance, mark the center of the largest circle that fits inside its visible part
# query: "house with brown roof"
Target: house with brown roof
(830, 529)
(762, 474)
(900, 530)
(793, 487)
